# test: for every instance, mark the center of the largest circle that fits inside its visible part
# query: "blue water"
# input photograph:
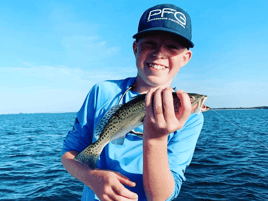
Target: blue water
(227, 165)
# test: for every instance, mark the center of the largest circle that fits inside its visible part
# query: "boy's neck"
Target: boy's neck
(142, 87)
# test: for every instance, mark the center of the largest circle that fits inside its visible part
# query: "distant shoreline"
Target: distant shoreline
(242, 108)
(220, 108)
(38, 113)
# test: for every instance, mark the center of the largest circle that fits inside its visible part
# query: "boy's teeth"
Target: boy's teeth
(155, 66)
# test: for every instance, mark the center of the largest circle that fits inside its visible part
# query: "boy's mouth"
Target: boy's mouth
(156, 66)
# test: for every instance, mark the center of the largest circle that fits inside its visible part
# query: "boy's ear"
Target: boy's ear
(187, 56)
(135, 46)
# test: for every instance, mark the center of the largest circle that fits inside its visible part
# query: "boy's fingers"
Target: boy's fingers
(185, 109)
(120, 175)
(108, 198)
(148, 103)
(119, 189)
(158, 106)
(168, 104)
(126, 181)
(124, 192)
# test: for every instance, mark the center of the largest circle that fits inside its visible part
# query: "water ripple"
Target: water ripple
(227, 165)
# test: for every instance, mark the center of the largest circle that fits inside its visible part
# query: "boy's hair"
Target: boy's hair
(166, 18)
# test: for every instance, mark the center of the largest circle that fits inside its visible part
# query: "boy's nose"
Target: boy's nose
(160, 52)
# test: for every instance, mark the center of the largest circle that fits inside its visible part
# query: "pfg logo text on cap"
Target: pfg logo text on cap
(167, 14)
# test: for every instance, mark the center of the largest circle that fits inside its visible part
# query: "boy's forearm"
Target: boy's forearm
(157, 177)
(76, 169)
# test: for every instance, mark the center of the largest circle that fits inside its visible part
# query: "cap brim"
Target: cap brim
(149, 31)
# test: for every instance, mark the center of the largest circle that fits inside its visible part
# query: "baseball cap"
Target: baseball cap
(166, 18)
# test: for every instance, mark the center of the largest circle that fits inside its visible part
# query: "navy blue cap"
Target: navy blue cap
(167, 18)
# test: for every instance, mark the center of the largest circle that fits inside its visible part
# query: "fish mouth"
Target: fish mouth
(198, 104)
(202, 106)
(156, 66)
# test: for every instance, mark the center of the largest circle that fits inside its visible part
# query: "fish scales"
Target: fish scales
(122, 121)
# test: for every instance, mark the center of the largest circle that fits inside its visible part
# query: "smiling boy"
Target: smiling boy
(151, 168)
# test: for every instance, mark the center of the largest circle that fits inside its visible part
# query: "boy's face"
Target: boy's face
(158, 59)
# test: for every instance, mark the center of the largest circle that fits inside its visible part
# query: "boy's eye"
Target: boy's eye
(172, 47)
(149, 43)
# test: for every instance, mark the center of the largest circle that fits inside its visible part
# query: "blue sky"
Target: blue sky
(53, 52)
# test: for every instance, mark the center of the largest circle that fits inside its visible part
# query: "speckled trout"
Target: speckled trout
(121, 119)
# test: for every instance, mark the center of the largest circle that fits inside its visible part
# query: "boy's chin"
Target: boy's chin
(154, 81)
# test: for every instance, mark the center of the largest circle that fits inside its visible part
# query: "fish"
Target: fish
(122, 119)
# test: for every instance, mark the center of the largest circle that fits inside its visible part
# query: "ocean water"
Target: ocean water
(228, 163)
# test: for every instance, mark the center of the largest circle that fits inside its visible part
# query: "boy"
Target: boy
(151, 168)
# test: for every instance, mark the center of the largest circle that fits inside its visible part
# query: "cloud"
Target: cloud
(27, 63)
(225, 93)
(59, 76)
(50, 88)
(81, 40)
(86, 50)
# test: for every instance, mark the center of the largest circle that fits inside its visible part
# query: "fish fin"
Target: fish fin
(89, 161)
(139, 135)
(119, 141)
(89, 156)
(104, 120)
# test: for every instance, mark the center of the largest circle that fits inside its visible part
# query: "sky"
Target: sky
(52, 52)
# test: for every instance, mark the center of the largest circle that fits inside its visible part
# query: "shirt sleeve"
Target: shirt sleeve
(81, 135)
(181, 148)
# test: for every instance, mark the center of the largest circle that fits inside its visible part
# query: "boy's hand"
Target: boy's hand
(160, 118)
(108, 185)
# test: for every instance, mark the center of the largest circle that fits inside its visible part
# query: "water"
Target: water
(228, 164)
(30, 167)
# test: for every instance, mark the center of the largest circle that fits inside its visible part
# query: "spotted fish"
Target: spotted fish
(121, 119)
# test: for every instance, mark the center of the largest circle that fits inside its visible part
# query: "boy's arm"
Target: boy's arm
(160, 120)
(107, 185)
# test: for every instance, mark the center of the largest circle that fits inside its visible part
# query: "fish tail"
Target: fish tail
(89, 156)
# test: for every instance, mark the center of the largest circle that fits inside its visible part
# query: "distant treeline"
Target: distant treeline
(241, 108)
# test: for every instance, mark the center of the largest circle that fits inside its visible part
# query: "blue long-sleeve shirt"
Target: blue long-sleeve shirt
(128, 158)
